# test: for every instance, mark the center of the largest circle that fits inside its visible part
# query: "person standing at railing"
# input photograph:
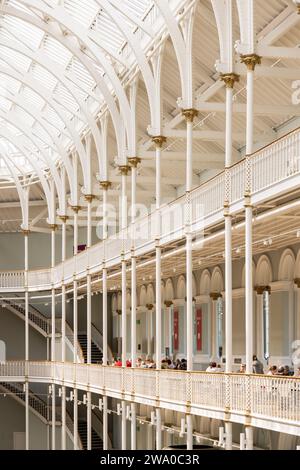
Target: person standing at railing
(258, 367)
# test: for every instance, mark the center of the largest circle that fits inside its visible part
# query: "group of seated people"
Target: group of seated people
(258, 368)
(148, 363)
(181, 364)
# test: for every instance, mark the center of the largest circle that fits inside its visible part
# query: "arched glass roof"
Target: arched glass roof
(58, 58)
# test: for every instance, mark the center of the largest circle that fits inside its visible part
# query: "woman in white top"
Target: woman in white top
(212, 368)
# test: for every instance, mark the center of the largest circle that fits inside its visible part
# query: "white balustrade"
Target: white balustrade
(208, 390)
(265, 397)
(40, 279)
(276, 397)
(276, 162)
(145, 383)
(238, 182)
(173, 386)
(12, 280)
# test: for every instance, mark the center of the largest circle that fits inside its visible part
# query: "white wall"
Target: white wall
(12, 332)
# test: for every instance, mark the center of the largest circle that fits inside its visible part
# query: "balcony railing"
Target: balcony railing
(272, 170)
(270, 399)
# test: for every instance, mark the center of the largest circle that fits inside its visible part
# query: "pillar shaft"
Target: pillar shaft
(124, 426)
(105, 424)
(190, 439)
(104, 305)
(75, 419)
(158, 430)
(124, 314)
(133, 426)
(189, 301)
(133, 312)
(89, 420)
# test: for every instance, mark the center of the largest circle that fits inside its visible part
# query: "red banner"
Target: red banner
(176, 330)
(199, 329)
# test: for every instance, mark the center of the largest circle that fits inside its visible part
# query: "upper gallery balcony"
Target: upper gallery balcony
(272, 172)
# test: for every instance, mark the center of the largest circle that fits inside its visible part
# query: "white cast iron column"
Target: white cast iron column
(53, 337)
(250, 61)
(229, 80)
(189, 115)
(26, 266)
(75, 327)
(124, 170)
(134, 162)
(89, 198)
(63, 334)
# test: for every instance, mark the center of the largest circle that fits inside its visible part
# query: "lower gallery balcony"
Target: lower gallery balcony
(265, 402)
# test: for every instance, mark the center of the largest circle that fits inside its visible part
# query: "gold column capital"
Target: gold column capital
(190, 114)
(124, 169)
(53, 227)
(149, 306)
(26, 232)
(230, 79)
(105, 185)
(215, 296)
(168, 303)
(134, 161)
(251, 61)
(159, 140)
(63, 218)
(261, 289)
(297, 282)
(89, 197)
(76, 209)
